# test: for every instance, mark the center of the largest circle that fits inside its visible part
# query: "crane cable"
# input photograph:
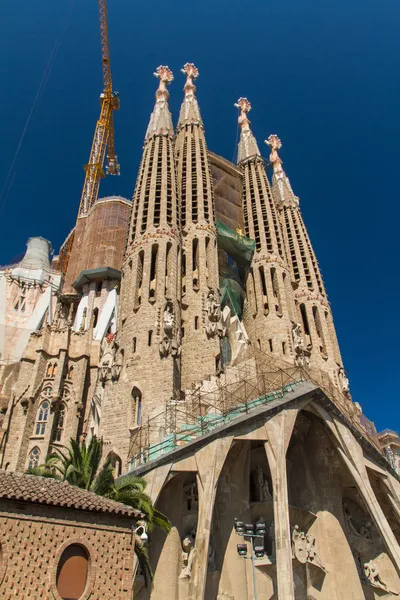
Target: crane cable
(42, 86)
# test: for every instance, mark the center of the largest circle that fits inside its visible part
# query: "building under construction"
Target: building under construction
(190, 328)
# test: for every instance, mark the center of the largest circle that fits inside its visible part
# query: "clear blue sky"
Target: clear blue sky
(324, 76)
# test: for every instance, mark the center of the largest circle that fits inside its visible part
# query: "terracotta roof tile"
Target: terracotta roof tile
(44, 490)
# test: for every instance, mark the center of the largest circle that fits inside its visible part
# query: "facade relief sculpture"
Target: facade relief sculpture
(169, 343)
(304, 550)
(213, 317)
(302, 354)
(356, 521)
(188, 552)
(343, 380)
(374, 577)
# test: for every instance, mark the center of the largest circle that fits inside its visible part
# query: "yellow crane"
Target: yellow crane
(103, 138)
(104, 133)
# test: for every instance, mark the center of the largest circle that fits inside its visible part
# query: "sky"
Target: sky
(324, 76)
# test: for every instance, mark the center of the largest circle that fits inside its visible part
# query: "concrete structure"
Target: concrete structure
(203, 351)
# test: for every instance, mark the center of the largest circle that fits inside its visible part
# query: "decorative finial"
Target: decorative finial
(164, 74)
(247, 144)
(245, 107)
(191, 72)
(275, 144)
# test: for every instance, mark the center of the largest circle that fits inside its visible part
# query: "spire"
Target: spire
(190, 112)
(280, 179)
(160, 119)
(247, 144)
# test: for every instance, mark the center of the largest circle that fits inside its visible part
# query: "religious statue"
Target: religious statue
(303, 548)
(191, 496)
(188, 555)
(168, 318)
(298, 341)
(344, 382)
(374, 577)
(213, 309)
(263, 488)
(363, 531)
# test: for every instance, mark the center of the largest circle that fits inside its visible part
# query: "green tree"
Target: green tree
(79, 465)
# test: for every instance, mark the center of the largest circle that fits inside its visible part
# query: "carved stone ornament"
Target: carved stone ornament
(168, 343)
(304, 550)
(361, 528)
(188, 545)
(191, 496)
(213, 322)
(374, 578)
(344, 382)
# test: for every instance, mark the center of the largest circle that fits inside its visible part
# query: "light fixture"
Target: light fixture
(249, 528)
(239, 527)
(141, 532)
(259, 551)
(242, 549)
(261, 528)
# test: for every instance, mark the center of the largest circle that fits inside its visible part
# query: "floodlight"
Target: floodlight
(239, 527)
(242, 549)
(249, 528)
(259, 551)
(261, 528)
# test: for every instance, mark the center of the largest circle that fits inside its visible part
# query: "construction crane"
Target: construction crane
(103, 138)
(104, 133)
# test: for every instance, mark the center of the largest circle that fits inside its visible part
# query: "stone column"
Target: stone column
(210, 461)
(279, 430)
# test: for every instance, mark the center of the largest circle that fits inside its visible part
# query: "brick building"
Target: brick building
(58, 541)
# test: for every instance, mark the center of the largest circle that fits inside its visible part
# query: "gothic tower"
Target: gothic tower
(269, 293)
(148, 341)
(200, 341)
(316, 340)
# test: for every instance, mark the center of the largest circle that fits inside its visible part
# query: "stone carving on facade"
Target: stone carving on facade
(188, 545)
(344, 382)
(110, 365)
(390, 457)
(213, 321)
(264, 493)
(362, 529)
(303, 548)
(302, 358)
(374, 577)
(191, 496)
(169, 344)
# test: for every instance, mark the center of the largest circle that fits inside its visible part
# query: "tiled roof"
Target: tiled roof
(44, 490)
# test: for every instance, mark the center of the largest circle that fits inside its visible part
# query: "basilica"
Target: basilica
(190, 329)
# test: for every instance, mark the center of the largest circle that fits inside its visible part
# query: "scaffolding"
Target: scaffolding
(257, 381)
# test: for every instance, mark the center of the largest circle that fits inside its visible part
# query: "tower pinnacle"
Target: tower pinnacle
(160, 120)
(275, 144)
(280, 181)
(247, 145)
(190, 112)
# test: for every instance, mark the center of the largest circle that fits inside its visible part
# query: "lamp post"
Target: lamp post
(251, 531)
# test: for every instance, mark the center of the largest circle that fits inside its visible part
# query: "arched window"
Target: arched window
(59, 423)
(137, 407)
(42, 418)
(34, 458)
(72, 572)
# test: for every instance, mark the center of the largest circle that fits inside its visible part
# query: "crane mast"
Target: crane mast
(104, 133)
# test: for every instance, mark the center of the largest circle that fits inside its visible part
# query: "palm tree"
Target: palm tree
(79, 464)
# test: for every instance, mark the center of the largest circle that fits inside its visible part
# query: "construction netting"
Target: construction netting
(235, 252)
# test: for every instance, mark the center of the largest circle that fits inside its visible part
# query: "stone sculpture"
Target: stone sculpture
(188, 545)
(191, 496)
(344, 382)
(304, 550)
(374, 577)
(213, 309)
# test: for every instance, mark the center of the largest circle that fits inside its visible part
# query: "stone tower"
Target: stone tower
(200, 339)
(148, 341)
(315, 338)
(269, 293)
